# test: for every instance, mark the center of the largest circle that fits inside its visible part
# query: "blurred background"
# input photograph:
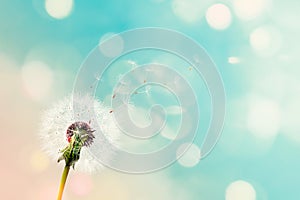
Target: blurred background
(255, 45)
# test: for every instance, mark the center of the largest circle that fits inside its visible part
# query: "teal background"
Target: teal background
(267, 79)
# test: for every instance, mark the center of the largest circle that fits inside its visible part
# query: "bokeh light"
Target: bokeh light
(113, 47)
(265, 40)
(250, 9)
(191, 156)
(240, 189)
(190, 11)
(59, 9)
(264, 117)
(218, 16)
(37, 79)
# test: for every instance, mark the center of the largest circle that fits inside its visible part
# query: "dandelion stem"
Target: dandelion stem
(63, 181)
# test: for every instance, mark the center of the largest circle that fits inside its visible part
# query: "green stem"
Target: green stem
(63, 181)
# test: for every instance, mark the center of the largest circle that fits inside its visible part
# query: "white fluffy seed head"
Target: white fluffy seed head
(61, 115)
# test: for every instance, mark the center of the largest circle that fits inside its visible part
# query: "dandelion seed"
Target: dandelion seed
(132, 63)
(121, 82)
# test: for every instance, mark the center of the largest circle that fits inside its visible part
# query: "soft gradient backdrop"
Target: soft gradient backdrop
(255, 45)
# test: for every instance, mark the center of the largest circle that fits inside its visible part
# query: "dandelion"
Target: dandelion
(67, 134)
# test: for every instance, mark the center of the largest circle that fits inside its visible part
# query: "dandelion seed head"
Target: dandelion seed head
(85, 131)
(60, 119)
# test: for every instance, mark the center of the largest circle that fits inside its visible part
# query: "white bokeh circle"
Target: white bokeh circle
(190, 157)
(37, 79)
(265, 40)
(263, 118)
(113, 47)
(218, 16)
(250, 9)
(59, 9)
(240, 189)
